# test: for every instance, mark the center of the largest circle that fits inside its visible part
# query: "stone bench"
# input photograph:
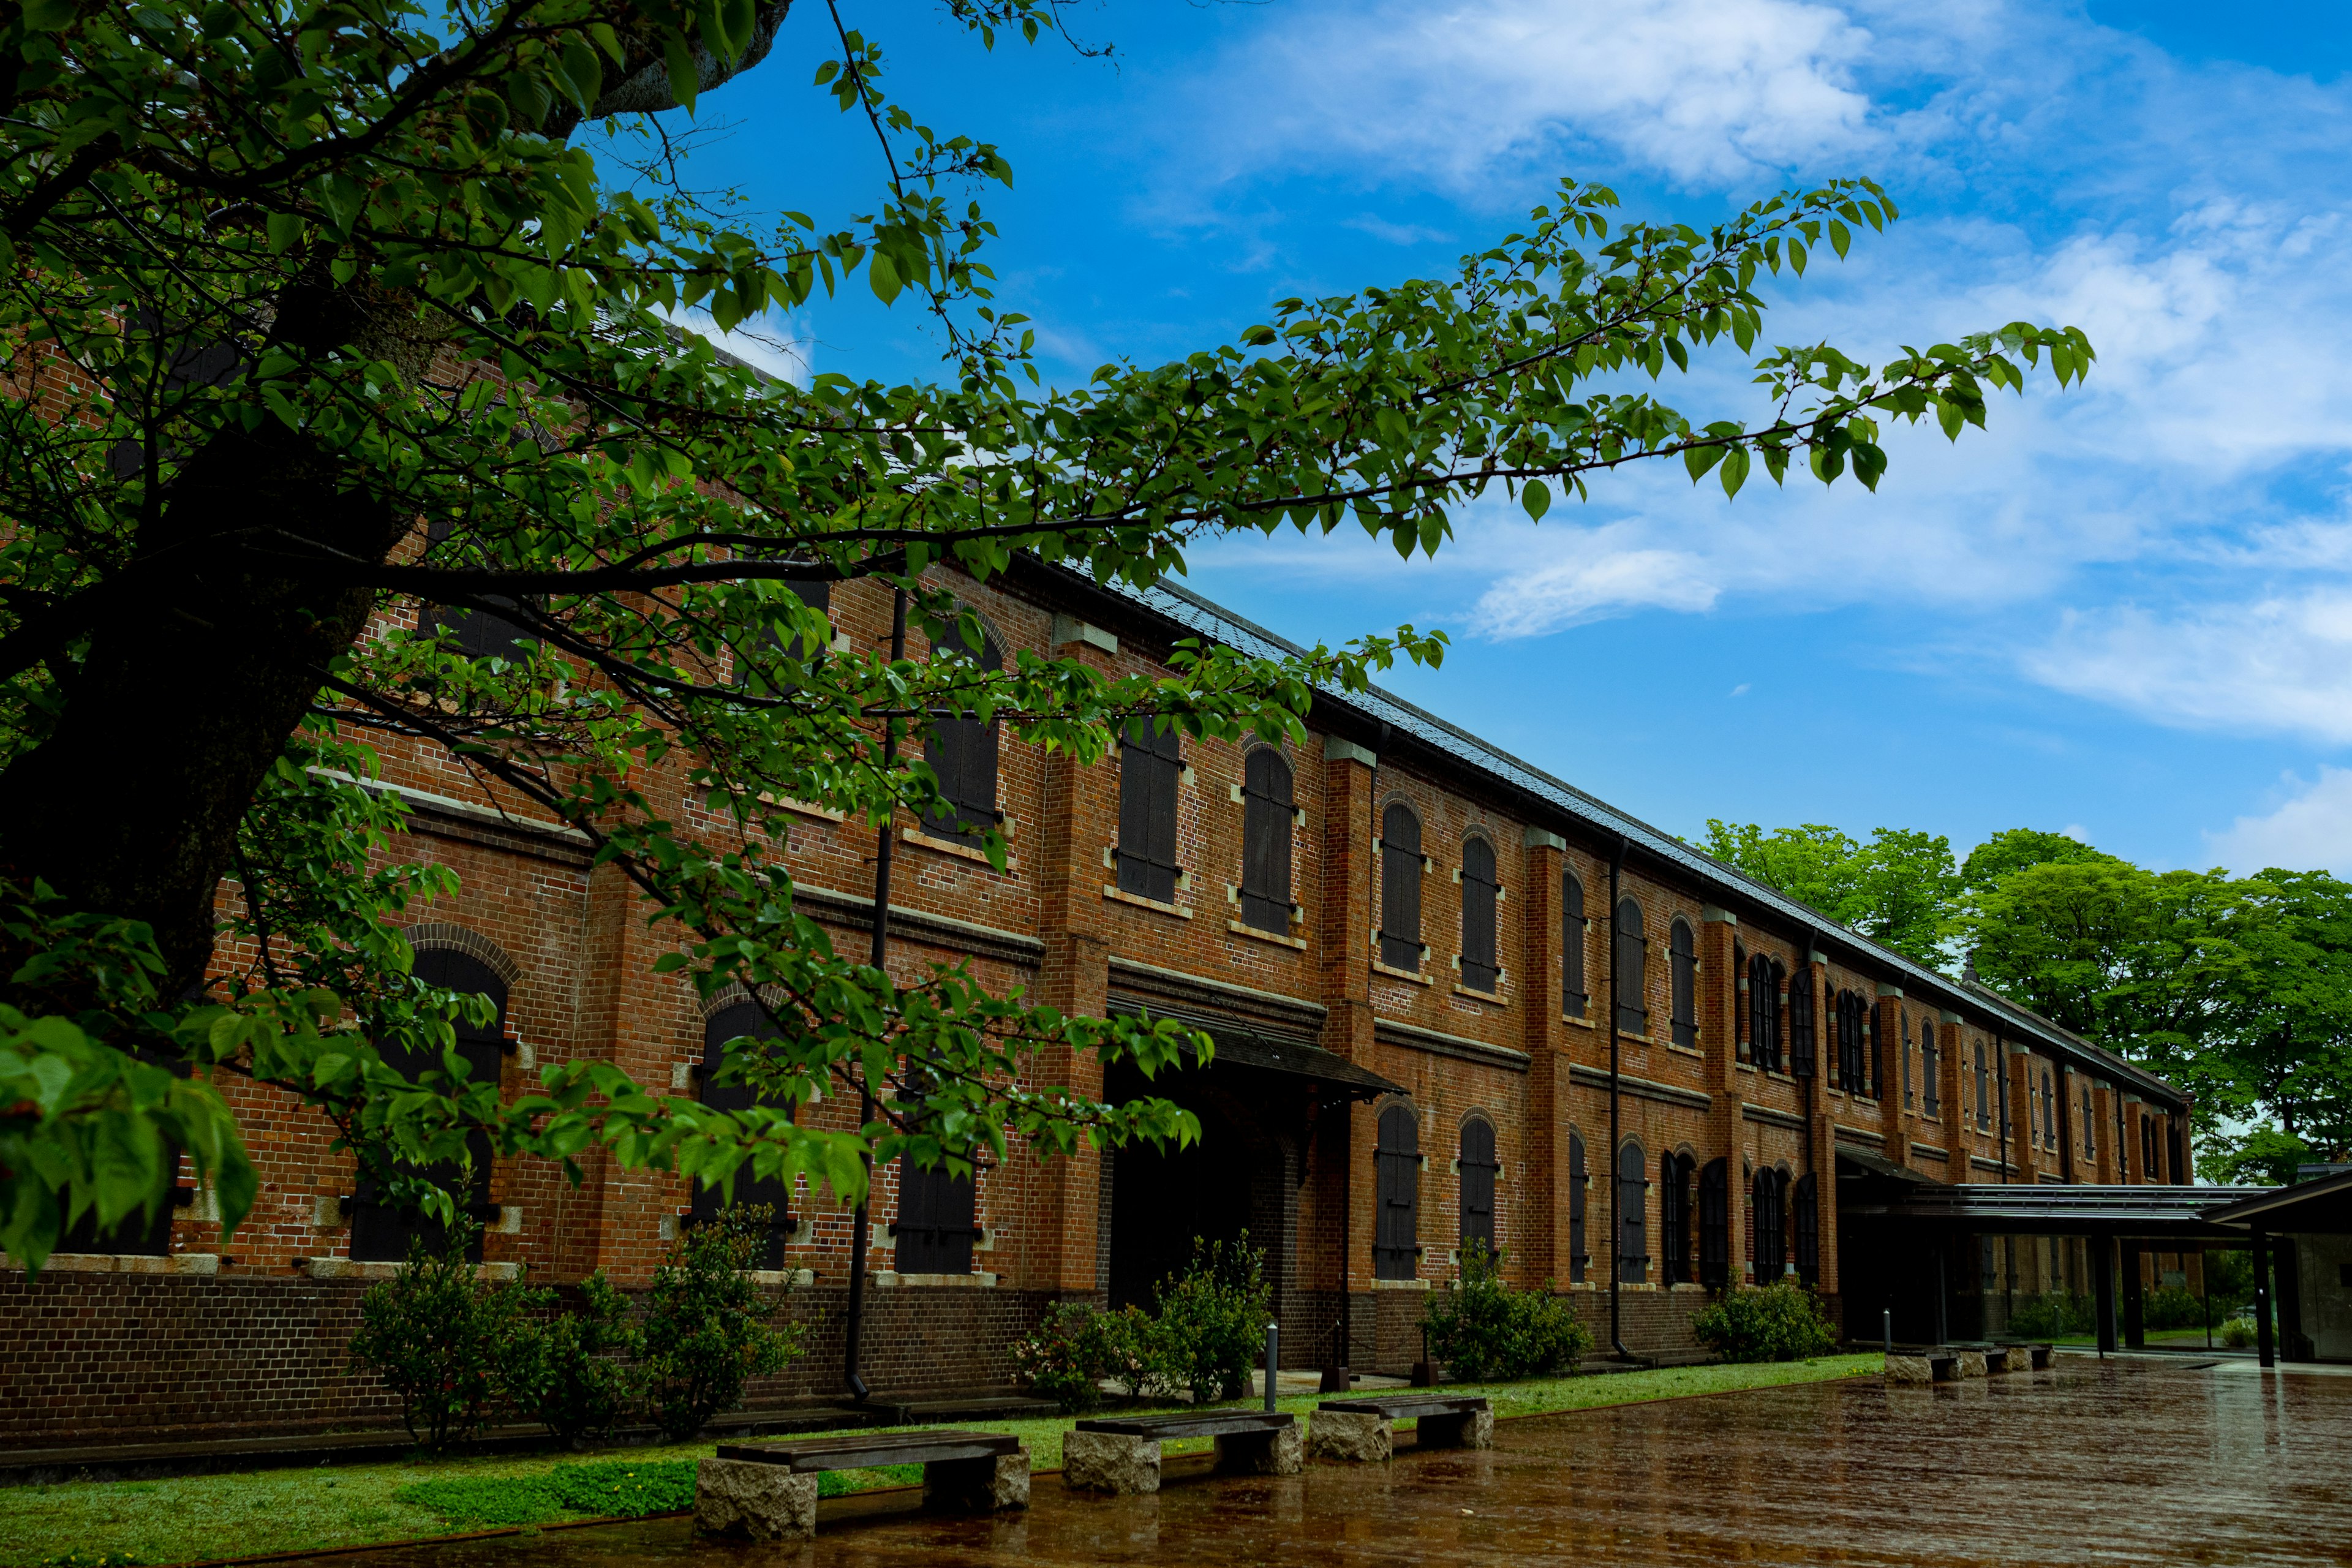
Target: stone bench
(1934, 1364)
(1120, 1455)
(1364, 1429)
(767, 1492)
(2038, 1354)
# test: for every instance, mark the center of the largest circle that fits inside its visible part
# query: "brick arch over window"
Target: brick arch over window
(1396, 1163)
(1481, 891)
(442, 936)
(1477, 1166)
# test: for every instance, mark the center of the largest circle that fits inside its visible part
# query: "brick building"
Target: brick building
(1405, 943)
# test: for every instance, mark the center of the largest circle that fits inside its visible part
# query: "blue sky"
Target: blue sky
(2125, 611)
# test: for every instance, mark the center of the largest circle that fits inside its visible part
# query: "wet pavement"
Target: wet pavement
(2146, 1462)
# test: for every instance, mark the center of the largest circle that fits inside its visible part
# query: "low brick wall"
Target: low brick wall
(166, 1358)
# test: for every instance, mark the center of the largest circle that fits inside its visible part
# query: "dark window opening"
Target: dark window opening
(1931, 1068)
(1396, 1162)
(1633, 1214)
(1803, 1039)
(1675, 1216)
(1150, 766)
(1480, 969)
(1769, 1229)
(935, 1230)
(1574, 999)
(1401, 946)
(1742, 1047)
(1764, 979)
(1683, 967)
(1633, 951)
(1577, 1255)
(1984, 1091)
(1267, 820)
(962, 754)
(1854, 1069)
(1805, 1212)
(2049, 1111)
(1907, 1060)
(382, 1228)
(1714, 1224)
(739, 1021)
(1479, 1168)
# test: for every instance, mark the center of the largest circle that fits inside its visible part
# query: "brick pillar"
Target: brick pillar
(2103, 1110)
(1894, 1117)
(1344, 916)
(1542, 1230)
(1951, 1075)
(2136, 1140)
(1815, 972)
(1722, 989)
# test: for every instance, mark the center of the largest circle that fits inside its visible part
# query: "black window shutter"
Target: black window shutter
(732, 1023)
(1633, 951)
(1674, 1218)
(1150, 768)
(1684, 958)
(1396, 1254)
(1714, 1224)
(1574, 998)
(1802, 1037)
(1479, 1168)
(1266, 829)
(1633, 1214)
(1400, 889)
(934, 1229)
(1808, 1226)
(1577, 1255)
(1771, 1240)
(381, 1229)
(964, 752)
(1480, 970)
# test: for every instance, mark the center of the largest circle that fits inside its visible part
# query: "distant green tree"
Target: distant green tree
(2014, 848)
(1897, 890)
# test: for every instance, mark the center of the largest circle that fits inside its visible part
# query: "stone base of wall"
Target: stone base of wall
(157, 1358)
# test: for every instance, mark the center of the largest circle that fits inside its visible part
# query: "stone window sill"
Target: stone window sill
(801, 808)
(1121, 895)
(1580, 1020)
(124, 1263)
(890, 1279)
(344, 1269)
(1492, 998)
(1242, 928)
(1691, 1051)
(1400, 1284)
(1413, 975)
(916, 836)
(785, 1276)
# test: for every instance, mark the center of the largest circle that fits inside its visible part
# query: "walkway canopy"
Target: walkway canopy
(2186, 1217)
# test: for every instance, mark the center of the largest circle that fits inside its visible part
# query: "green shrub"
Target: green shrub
(707, 1328)
(2172, 1306)
(1213, 1318)
(2238, 1333)
(1480, 1327)
(1134, 1350)
(1065, 1357)
(1782, 1322)
(573, 1371)
(2055, 1316)
(436, 1335)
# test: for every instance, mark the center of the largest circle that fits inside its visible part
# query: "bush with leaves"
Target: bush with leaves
(574, 1371)
(2055, 1315)
(707, 1326)
(437, 1335)
(1783, 1321)
(1480, 1327)
(1065, 1357)
(1211, 1320)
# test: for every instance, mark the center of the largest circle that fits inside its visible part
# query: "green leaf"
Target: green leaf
(684, 80)
(882, 276)
(1734, 471)
(48, 15)
(1535, 497)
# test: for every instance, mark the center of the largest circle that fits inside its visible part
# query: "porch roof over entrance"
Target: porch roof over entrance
(1237, 1045)
(2170, 1213)
(2324, 1205)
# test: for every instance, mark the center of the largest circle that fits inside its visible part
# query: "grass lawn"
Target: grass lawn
(194, 1518)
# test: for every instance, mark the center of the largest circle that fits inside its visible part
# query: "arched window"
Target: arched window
(1396, 1162)
(1683, 967)
(729, 1024)
(381, 1231)
(1805, 1214)
(1931, 1068)
(1150, 767)
(936, 1223)
(1480, 969)
(1632, 1214)
(1577, 1181)
(962, 752)
(1764, 981)
(1401, 946)
(1269, 819)
(1574, 1000)
(1633, 951)
(1675, 1216)
(2049, 1111)
(1478, 1166)
(1802, 1037)
(1714, 1224)
(1770, 1231)
(1984, 1092)
(1906, 1026)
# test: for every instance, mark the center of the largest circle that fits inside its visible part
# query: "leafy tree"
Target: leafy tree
(2014, 848)
(1897, 889)
(343, 405)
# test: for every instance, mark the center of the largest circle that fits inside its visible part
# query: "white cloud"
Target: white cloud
(1578, 587)
(2310, 830)
(787, 358)
(2280, 664)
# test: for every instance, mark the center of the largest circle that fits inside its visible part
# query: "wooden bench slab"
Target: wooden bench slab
(1206, 1424)
(1410, 1407)
(873, 1451)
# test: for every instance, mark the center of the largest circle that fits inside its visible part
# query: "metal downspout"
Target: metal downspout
(854, 1320)
(1616, 1184)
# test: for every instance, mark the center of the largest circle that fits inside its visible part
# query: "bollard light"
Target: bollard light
(1273, 1359)
(1886, 1329)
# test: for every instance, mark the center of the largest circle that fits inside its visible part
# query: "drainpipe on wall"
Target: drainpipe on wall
(1616, 1184)
(854, 1320)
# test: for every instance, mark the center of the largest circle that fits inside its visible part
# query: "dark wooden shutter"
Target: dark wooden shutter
(1631, 955)
(1683, 962)
(1806, 1213)
(1674, 1218)
(1149, 768)
(1400, 945)
(382, 1229)
(744, 1018)
(1396, 1160)
(934, 1232)
(1984, 1092)
(2049, 1111)
(1771, 1237)
(1480, 971)
(1714, 1224)
(1931, 1068)
(1802, 1037)
(1577, 1255)
(1268, 824)
(479, 633)
(962, 752)
(1479, 1168)
(1633, 1214)
(1764, 1013)
(1575, 1000)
